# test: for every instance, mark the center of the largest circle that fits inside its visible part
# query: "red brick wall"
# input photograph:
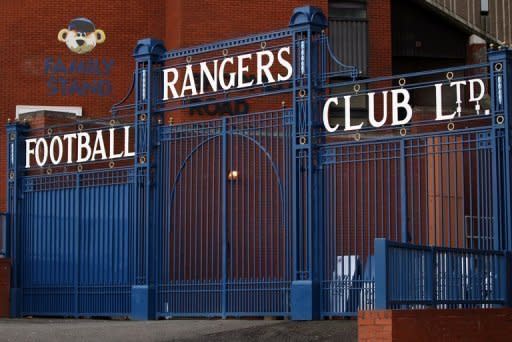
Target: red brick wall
(379, 38)
(29, 28)
(5, 284)
(209, 20)
(435, 325)
(29, 35)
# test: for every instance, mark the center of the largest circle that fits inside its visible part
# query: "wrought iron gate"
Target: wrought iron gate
(429, 183)
(75, 232)
(225, 238)
(261, 214)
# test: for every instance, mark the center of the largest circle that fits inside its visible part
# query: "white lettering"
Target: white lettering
(29, 151)
(477, 99)
(41, 142)
(285, 64)
(127, 142)
(83, 140)
(211, 74)
(212, 78)
(189, 82)
(264, 68)
(348, 126)
(113, 155)
(371, 110)
(241, 69)
(57, 140)
(69, 138)
(232, 75)
(326, 115)
(170, 85)
(458, 86)
(403, 104)
(99, 146)
(439, 104)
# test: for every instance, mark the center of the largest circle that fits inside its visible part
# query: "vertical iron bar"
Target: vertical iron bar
(403, 192)
(223, 176)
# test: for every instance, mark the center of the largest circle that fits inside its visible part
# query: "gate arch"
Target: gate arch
(226, 244)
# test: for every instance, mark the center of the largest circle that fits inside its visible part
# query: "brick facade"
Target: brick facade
(32, 53)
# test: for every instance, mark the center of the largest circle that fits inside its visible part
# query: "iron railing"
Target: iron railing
(411, 276)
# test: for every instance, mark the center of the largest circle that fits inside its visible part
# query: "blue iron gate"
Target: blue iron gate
(75, 237)
(226, 240)
(273, 212)
(75, 233)
(435, 183)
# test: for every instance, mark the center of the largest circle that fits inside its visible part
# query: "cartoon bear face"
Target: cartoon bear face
(81, 36)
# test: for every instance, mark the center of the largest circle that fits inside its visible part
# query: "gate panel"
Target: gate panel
(47, 238)
(433, 182)
(442, 182)
(104, 248)
(75, 237)
(226, 240)
(258, 235)
(191, 267)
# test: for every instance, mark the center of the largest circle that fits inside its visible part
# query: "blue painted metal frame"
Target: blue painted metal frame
(411, 276)
(4, 235)
(291, 233)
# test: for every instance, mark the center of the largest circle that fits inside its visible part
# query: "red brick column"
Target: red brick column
(379, 38)
(432, 325)
(5, 284)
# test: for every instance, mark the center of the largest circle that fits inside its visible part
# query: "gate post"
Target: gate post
(306, 23)
(381, 274)
(143, 300)
(15, 162)
(500, 78)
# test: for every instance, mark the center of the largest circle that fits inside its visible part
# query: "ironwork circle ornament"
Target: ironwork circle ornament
(302, 92)
(188, 59)
(13, 136)
(449, 75)
(357, 136)
(403, 131)
(111, 164)
(500, 119)
(402, 82)
(143, 117)
(451, 126)
(302, 140)
(49, 171)
(357, 88)
(11, 175)
(80, 168)
(112, 122)
(263, 44)
(225, 52)
(498, 67)
(142, 159)
(50, 131)
(80, 127)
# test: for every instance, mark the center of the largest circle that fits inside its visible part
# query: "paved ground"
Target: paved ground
(37, 329)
